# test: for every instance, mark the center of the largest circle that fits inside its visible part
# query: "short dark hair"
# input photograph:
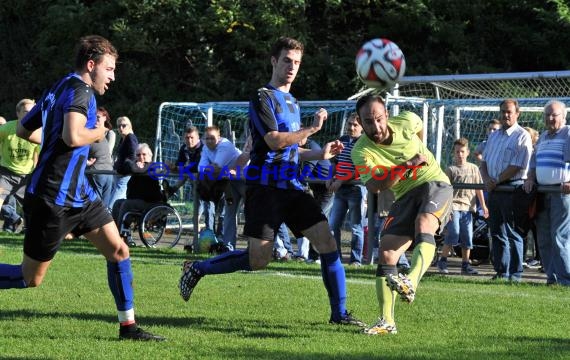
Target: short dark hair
(461, 142)
(213, 128)
(191, 129)
(368, 99)
(93, 47)
(286, 43)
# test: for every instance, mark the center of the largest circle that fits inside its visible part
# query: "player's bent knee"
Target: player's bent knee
(321, 238)
(116, 253)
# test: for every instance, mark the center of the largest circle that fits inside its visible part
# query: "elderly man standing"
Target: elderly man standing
(505, 162)
(549, 165)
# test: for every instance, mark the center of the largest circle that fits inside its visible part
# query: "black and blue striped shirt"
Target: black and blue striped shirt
(59, 175)
(273, 110)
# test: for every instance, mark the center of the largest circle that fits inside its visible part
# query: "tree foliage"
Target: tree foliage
(217, 50)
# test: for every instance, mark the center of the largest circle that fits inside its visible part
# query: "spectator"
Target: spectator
(218, 158)
(505, 162)
(188, 154)
(348, 197)
(189, 157)
(142, 191)
(549, 166)
(492, 126)
(126, 149)
(534, 262)
(9, 213)
(18, 158)
(460, 226)
(100, 159)
(282, 247)
(319, 170)
(236, 196)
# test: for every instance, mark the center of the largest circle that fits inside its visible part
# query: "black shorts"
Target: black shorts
(434, 197)
(266, 208)
(47, 224)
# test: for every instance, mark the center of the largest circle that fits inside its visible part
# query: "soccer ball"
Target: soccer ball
(380, 63)
(206, 241)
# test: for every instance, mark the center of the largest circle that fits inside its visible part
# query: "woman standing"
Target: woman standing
(128, 145)
(100, 159)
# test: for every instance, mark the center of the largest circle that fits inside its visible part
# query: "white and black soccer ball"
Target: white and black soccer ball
(380, 63)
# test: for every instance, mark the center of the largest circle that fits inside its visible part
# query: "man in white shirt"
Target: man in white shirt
(505, 162)
(218, 159)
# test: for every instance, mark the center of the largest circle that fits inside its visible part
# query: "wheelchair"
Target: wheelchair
(158, 226)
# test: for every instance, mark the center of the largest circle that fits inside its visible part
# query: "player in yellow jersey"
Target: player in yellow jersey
(392, 155)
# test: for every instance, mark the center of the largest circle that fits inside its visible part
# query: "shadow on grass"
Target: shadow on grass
(248, 328)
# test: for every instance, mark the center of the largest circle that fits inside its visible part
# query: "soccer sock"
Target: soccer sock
(228, 262)
(335, 282)
(11, 277)
(386, 297)
(421, 258)
(120, 278)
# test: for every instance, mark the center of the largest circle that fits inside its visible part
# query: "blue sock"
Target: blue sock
(11, 277)
(120, 277)
(335, 283)
(225, 263)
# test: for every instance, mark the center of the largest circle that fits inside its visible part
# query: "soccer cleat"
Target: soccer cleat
(188, 280)
(380, 328)
(402, 285)
(138, 334)
(348, 319)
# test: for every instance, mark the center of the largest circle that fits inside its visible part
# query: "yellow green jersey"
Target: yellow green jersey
(376, 159)
(16, 154)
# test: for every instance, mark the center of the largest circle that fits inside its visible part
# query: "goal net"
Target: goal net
(451, 107)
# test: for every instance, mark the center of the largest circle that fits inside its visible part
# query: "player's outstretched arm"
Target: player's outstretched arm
(278, 140)
(329, 151)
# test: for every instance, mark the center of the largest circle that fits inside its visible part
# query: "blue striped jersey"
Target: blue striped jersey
(59, 176)
(273, 110)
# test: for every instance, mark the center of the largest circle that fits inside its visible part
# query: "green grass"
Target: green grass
(280, 313)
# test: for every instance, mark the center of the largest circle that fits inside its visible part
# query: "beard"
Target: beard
(377, 136)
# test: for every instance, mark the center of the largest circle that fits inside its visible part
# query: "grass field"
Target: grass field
(280, 313)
